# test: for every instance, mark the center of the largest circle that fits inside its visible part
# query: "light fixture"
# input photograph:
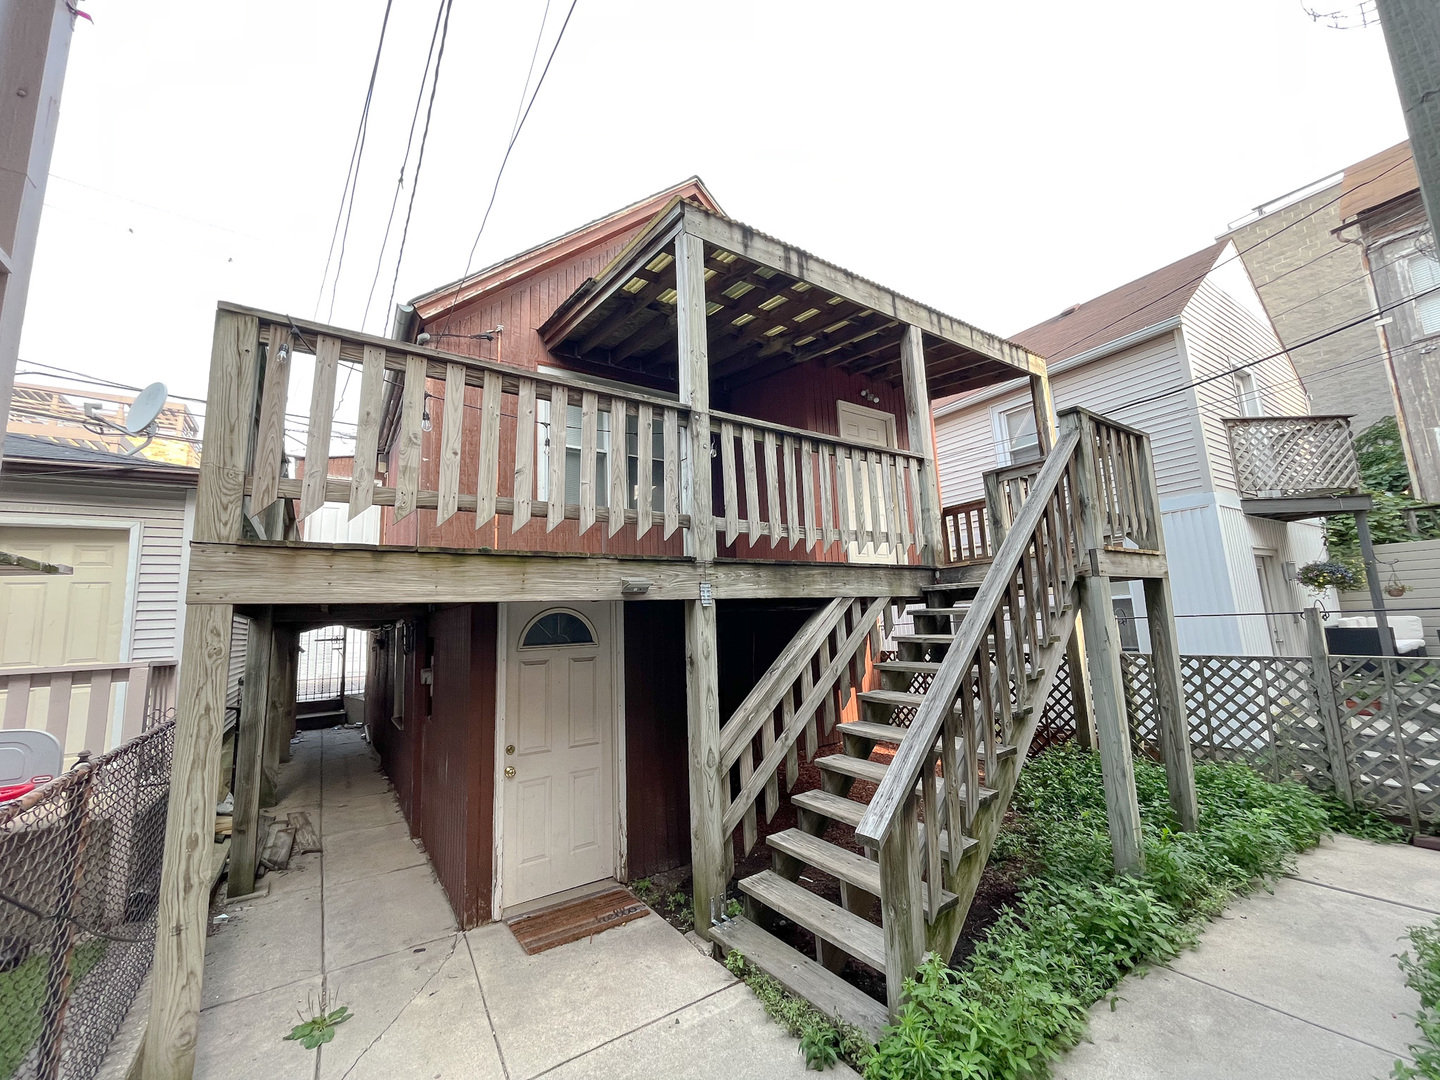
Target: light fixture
(425, 424)
(870, 395)
(489, 335)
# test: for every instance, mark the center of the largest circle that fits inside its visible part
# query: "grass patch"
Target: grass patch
(822, 1040)
(1422, 974)
(1021, 997)
(22, 994)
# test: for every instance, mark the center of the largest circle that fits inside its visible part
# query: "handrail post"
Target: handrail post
(920, 429)
(1102, 634)
(1329, 705)
(902, 910)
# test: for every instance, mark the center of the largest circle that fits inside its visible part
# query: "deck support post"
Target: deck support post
(710, 868)
(1102, 634)
(920, 430)
(183, 914)
(250, 741)
(288, 655)
(1372, 580)
(1329, 705)
(1171, 719)
(277, 692)
(1081, 702)
(901, 903)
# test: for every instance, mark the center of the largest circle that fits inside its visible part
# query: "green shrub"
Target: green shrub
(1422, 974)
(1021, 996)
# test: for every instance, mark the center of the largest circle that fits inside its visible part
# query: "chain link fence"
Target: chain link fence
(79, 885)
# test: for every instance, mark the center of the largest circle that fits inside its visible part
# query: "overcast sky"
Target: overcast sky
(997, 161)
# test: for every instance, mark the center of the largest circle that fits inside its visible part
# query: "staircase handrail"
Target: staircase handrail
(915, 754)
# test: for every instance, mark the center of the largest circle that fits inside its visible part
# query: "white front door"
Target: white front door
(558, 803)
(868, 427)
(1277, 621)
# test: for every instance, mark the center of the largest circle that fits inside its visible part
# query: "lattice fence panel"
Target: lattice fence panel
(1390, 716)
(1298, 455)
(1057, 718)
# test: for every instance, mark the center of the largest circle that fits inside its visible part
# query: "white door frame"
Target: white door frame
(617, 763)
(1271, 591)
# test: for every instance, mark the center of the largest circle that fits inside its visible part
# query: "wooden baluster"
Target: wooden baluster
(752, 483)
(954, 821)
(1003, 670)
(97, 720)
(902, 507)
(57, 715)
(971, 749)
(452, 421)
(525, 456)
(986, 718)
(747, 770)
(559, 407)
(412, 407)
(618, 462)
(892, 507)
(670, 472)
(935, 881)
(727, 474)
(322, 412)
(772, 488)
(860, 500)
(787, 721)
(270, 443)
(1011, 605)
(807, 491)
(589, 437)
(645, 470)
(1042, 586)
(847, 520)
(1031, 600)
(1051, 524)
(807, 685)
(792, 516)
(827, 654)
(767, 744)
(485, 487)
(880, 502)
(828, 533)
(367, 430)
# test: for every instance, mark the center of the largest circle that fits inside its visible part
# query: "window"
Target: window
(557, 628)
(1424, 276)
(1247, 394)
(602, 457)
(1017, 428)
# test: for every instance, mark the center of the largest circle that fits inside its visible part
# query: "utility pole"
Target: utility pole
(34, 48)
(1412, 34)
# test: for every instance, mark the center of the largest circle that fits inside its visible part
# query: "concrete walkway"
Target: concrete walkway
(1299, 982)
(366, 924)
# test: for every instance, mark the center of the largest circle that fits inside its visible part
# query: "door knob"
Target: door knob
(509, 772)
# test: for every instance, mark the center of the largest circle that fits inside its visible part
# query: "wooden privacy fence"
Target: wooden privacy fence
(816, 490)
(1367, 726)
(77, 703)
(1279, 456)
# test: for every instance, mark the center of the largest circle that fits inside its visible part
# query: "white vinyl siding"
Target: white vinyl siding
(1424, 277)
(161, 513)
(965, 440)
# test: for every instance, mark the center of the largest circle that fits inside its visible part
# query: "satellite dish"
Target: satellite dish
(146, 408)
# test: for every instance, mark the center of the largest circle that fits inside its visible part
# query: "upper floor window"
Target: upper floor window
(1017, 429)
(1247, 394)
(1425, 279)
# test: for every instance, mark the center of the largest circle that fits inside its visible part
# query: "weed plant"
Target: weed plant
(1422, 974)
(1077, 928)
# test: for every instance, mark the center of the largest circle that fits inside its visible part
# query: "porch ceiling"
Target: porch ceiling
(761, 319)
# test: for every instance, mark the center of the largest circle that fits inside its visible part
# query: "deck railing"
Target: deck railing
(784, 484)
(1129, 512)
(965, 532)
(77, 703)
(1293, 456)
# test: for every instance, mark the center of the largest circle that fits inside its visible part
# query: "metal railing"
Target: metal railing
(1293, 456)
(79, 882)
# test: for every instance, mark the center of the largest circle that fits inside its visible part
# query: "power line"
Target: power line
(404, 161)
(420, 159)
(1239, 252)
(352, 174)
(514, 136)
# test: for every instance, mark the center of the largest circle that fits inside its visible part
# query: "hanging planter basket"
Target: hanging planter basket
(1329, 574)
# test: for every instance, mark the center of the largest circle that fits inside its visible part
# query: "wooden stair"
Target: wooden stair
(848, 930)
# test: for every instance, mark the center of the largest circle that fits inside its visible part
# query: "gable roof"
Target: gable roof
(509, 270)
(32, 451)
(1379, 179)
(1157, 297)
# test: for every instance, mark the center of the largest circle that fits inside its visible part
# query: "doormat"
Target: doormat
(578, 919)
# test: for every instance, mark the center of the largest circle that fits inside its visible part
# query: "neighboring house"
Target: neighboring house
(651, 494)
(1312, 281)
(1382, 215)
(1156, 354)
(59, 415)
(115, 624)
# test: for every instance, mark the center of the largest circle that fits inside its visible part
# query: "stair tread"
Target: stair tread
(891, 697)
(925, 639)
(928, 667)
(803, 977)
(874, 771)
(849, 812)
(958, 609)
(847, 931)
(845, 865)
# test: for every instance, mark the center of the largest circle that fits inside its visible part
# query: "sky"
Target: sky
(999, 161)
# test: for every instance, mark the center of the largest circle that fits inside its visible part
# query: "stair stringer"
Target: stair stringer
(942, 934)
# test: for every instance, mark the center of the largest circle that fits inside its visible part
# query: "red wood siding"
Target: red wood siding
(657, 784)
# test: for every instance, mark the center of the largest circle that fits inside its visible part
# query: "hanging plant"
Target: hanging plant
(1396, 589)
(1329, 574)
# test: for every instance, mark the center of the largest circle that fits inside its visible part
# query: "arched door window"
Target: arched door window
(557, 628)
